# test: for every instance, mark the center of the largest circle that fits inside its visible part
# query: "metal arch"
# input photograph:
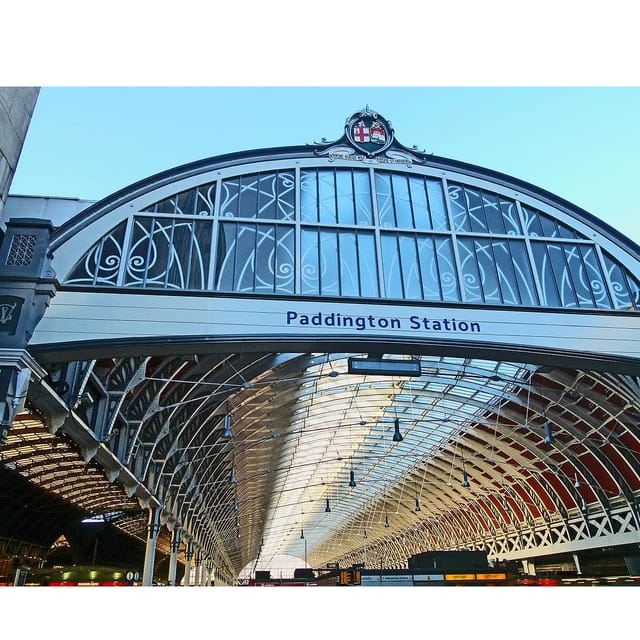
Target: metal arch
(478, 444)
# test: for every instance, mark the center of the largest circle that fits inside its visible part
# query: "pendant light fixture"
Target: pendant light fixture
(226, 426)
(548, 434)
(327, 509)
(397, 436)
(417, 505)
(465, 477)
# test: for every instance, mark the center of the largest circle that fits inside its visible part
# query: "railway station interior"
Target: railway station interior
(347, 363)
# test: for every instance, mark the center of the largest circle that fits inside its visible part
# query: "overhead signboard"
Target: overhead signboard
(133, 319)
(380, 367)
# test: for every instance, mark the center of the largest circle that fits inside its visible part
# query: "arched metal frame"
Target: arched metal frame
(552, 455)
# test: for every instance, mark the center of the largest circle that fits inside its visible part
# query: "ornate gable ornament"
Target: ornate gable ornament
(369, 137)
(369, 132)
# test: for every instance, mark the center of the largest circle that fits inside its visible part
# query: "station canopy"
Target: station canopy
(207, 341)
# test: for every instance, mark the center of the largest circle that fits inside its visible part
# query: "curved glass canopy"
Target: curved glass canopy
(358, 233)
(260, 455)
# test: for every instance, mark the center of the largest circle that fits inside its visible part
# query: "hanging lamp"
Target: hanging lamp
(226, 425)
(397, 436)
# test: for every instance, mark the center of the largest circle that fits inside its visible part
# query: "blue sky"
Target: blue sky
(581, 143)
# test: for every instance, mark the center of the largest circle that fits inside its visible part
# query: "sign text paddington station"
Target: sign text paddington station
(76, 320)
(361, 323)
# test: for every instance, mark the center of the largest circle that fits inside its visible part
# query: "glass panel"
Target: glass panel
(386, 215)
(188, 259)
(391, 266)
(541, 225)
(226, 256)
(459, 212)
(309, 196)
(447, 268)
(437, 206)
(487, 267)
(310, 272)
(523, 274)
(248, 196)
(329, 271)
(140, 253)
(562, 276)
(168, 253)
(510, 216)
(165, 206)
(546, 276)
(327, 195)
(404, 216)
(625, 288)
(205, 200)
(595, 278)
(349, 285)
(285, 259)
(256, 258)
(344, 186)
(506, 274)
(264, 263)
(178, 237)
(420, 204)
(268, 197)
(429, 269)
(368, 265)
(364, 205)
(410, 268)
(286, 196)
(549, 226)
(186, 203)
(473, 202)
(531, 222)
(229, 198)
(101, 264)
(200, 255)
(579, 276)
(243, 276)
(197, 201)
(493, 213)
(471, 280)
(634, 287)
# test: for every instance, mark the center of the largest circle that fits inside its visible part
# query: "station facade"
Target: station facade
(179, 364)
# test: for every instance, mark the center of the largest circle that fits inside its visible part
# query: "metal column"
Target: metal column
(173, 560)
(198, 579)
(187, 570)
(150, 554)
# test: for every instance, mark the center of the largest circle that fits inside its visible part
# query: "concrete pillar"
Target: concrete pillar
(16, 108)
(150, 553)
(173, 559)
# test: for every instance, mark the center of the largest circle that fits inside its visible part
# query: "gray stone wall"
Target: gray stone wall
(16, 108)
